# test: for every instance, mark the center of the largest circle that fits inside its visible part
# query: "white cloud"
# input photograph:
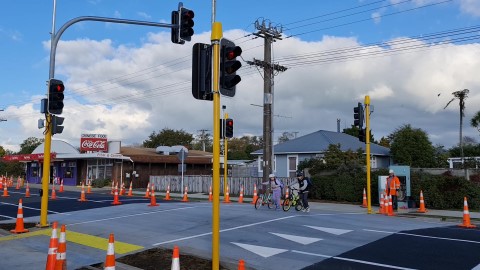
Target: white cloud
(471, 7)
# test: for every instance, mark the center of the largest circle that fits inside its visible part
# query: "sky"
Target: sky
(128, 81)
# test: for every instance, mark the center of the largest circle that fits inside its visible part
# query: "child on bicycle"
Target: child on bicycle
(276, 190)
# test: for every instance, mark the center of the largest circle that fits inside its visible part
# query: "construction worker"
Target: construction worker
(392, 187)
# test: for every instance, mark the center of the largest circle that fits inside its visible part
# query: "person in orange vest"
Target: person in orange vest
(393, 185)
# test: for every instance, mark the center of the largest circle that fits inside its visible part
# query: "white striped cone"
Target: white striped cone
(175, 259)
(110, 259)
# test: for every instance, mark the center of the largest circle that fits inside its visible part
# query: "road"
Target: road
(331, 236)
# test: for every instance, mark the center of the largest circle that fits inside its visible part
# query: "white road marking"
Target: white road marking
(31, 208)
(8, 217)
(329, 230)
(353, 260)
(299, 239)
(425, 236)
(260, 250)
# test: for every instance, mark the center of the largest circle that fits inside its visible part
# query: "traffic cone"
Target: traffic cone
(185, 195)
(82, 194)
(381, 210)
(110, 259)
(175, 259)
(153, 200)
(241, 265)
(130, 192)
(17, 187)
(54, 194)
(61, 186)
(52, 249)
(255, 196)
(210, 195)
(122, 189)
(226, 199)
(89, 187)
(1, 183)
(5, 191)
(147, 191)
(240, 197)
(167, 196)
(390, 206)
(115, 198)
(113, 188)
(422, 208)
(19, 226)
(466, 216)
(27, 191)
(364, 203)
(61, 261)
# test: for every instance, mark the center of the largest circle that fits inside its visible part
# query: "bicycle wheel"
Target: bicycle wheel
(299, 205)
(286, 205)
(258, 202)
(270, 203)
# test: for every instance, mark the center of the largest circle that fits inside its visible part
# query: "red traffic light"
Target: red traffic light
(59, 87)
(231, 53)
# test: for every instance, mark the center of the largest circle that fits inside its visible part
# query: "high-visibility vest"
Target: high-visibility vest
(393, 183)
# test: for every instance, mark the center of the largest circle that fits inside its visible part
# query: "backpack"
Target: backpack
(309, 183)
(280, 183)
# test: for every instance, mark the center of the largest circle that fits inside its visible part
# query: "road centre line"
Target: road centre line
(425, 236)
(353, 260)
(31, 208)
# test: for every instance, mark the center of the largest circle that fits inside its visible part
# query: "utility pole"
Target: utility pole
(202, 137)
(269, 34)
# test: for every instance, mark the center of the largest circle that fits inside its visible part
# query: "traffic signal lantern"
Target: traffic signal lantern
(358, 116)
(56, 124)
(202, 72)
(362, 135)
(229, 128)
(182, 21)
(228, 67)
(55, 96)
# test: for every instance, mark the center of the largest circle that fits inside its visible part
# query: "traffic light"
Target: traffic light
(358, 116)
(55, 96)
(182, 21)
(202, 71)
(228, 67)
(228, 128)
(56, 124)
(362, 135)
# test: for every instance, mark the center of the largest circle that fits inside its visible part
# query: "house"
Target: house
(289, 154)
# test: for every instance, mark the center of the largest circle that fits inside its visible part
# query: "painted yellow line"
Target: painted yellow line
(81, 239)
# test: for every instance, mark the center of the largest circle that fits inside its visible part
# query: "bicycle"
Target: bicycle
(293, 199)
(264, 198)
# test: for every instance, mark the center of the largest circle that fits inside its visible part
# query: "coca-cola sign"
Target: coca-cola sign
(94, 143)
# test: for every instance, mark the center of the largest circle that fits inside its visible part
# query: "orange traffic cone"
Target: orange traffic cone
(185, 195)
(54, 194)
(5, 191)
(241, 265)
(147, 194)
(364, 203)
(240, 197)
(175, 259)
(115, 198)
(27, 191)
(1, 183)
(122, 189)
(113, 188)
(466, 216)
(89, 187)
(422, 208)
(19, 226)
(390, 206)
(226, 199)
(130, 192)
(381, 210)
(17, 187)
(110, 259)
(255, 196)
(61, 261)
(82, 194)
(61, 186)
(153, 200)
(52, 249)
(167, 196)
(210, 195)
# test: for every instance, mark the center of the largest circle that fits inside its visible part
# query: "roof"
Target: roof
(318, 142)
(149, 155)
(57, 146)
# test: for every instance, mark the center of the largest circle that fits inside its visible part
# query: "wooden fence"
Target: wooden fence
(201, 184)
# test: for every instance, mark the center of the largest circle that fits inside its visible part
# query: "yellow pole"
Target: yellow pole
(367, 148)
(216, 37)
(46, 172)
(225, 158)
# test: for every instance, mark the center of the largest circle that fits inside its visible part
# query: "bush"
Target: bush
(100, 183)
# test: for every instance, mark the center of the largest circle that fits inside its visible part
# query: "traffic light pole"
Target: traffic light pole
(225, 155)
(367, 149)
(215, 39)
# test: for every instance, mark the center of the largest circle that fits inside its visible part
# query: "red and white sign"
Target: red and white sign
(94, 143)
(28, 157)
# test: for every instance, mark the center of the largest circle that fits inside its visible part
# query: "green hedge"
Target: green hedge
(439, 191)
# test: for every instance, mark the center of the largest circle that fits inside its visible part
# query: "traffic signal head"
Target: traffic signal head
(182, 21)
(228, 128)
(56, 124)
(362, 135)
(358, 115)
(228, 67)
(55, 96)
(202, 71)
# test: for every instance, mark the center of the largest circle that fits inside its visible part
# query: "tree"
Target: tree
(203, 142)
(28, 145)
(461, 95)
(240, 148)
(354, 130)
(286, 136)
(169, 137)
(335, 159)
(384, 142)
(411, 146)
(475, 121)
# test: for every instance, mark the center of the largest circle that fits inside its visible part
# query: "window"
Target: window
(292, 166)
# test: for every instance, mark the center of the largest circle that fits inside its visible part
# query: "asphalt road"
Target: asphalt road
(329, 237)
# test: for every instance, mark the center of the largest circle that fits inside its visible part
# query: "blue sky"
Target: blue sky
(127, 81)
